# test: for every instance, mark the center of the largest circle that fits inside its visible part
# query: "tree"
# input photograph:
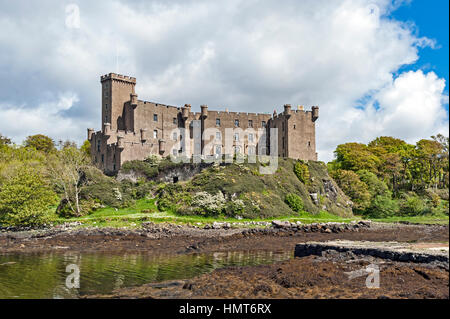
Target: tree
(25, 198)
(86, 148)
(40, 142)
(356, 156)
(375, 185)
(353, 187)
(66, 170)
(4, 140)
(428, 156)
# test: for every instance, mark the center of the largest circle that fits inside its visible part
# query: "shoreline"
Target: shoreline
(181, 239)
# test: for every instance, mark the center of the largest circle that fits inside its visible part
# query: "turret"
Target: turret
(134, 100)
(107, 129)
(287, 110)
(315, 113)
(90, 132)
(185, 111)
(162, 146)
(204, 110)
(120, 142)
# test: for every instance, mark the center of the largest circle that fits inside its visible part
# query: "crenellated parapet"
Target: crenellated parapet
(118, 77)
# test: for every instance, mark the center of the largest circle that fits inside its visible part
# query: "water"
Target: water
(44, 275)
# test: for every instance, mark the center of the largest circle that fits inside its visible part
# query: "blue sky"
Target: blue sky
(431, 18)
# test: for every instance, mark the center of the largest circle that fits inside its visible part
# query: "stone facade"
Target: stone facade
(133, 129)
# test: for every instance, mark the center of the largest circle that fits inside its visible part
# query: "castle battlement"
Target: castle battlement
(119, 77)
(134, 129)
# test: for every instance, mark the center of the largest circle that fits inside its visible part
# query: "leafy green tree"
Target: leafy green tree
(86, 148)
(353, 187)
(382, 207)
(25, 198)
(41, 143)
(66, 170)
(375, 186)
(4, 140)
(356, 156)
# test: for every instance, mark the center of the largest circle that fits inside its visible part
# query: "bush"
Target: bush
(382, 207)
(375, 185)
(25, 199)
(209, 204)
(302, 172)
(294, 202)
(412, 206)
(235, 207)
(353, 187)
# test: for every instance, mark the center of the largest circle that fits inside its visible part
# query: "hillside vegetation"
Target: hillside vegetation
(42, 183)
(389, 177)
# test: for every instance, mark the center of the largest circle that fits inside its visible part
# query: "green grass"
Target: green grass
(133, 216)
(424, 219)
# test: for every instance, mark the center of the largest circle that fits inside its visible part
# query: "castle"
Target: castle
(133, 129)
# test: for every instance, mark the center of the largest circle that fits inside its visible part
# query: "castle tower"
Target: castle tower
(116, 91)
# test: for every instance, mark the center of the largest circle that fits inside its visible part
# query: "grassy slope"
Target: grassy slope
(269, 191)
(133, 216)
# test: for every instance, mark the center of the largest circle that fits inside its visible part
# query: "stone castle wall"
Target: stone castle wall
(133, 129)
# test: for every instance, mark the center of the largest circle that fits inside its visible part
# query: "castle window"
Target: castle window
(263, 123)
(250, 123)
(155, 134)
(218, 149)
(175, 120)
(98, 145)
(250, 137)
(294, 126)
(106, 106)
(236, 136)
(251, 150)
(217, 122)
(218, 137)
(236, 123)
(106, 118)
(309, 143)
(174, 136)
(237, 150)
(103, 158)
(155, 117)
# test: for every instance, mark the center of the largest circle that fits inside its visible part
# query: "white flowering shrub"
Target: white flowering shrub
(208, 203)
(117, 194)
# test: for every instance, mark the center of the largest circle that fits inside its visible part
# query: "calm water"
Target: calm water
(44, 275)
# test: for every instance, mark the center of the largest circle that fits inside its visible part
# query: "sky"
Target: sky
(374, 67)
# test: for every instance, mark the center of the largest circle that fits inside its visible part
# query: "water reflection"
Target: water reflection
(44, 275)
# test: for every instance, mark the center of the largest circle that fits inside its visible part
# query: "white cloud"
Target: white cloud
(408, 107)
(247, 55)
(45, 119)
